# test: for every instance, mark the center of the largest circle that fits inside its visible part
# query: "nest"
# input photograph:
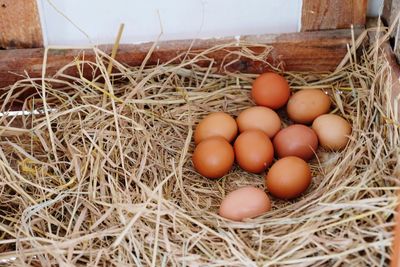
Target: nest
(99, 172)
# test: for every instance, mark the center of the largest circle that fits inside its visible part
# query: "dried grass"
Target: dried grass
(104, 176)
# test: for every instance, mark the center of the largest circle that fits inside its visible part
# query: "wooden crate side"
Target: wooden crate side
(20, 24)
(311, 51)
(395, 72)
(391, 9)
(395, 95)
(332, 14)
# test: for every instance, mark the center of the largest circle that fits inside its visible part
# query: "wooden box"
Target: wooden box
(329, 29)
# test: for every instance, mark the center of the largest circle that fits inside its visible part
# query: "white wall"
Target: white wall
(374, 8)
(180, 19)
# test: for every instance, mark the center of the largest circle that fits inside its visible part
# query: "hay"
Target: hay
(104, 176)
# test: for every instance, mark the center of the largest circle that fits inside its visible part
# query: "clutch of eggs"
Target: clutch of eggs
(256, 136)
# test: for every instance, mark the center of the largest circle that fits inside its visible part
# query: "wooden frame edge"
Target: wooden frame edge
(335, 14)
(20, 25)
(395, 73)
(307, 51)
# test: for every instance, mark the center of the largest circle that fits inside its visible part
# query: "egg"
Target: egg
(213, 157)
(244, 203)
(332, 131)
(253, 151)
(216, 124)
(259, 118)
(296, 140)
(270, 90)
(288, 178)
(306, 105)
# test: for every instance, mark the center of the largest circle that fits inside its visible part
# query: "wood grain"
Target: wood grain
(395, 259)
(311, 51)
(391, 9)
(332, 14)
(20, 24)
(395, 72)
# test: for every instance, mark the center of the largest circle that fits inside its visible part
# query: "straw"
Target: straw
(104, 176)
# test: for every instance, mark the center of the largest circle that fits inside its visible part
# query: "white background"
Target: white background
(98, 20)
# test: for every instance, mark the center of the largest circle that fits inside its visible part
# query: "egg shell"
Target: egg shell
(259, 118)
(288, 178)
(270, 90)
(306, 105)
(244, 203)
(213, 157)
(254, 151)
(216, 124)
(296, 140)
(332, 131)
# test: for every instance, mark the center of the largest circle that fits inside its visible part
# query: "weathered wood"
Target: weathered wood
(311, 51)
(20, 24)
(391, 9)
(395, 259)
(332, 14)
(395, 72)
(395, 96)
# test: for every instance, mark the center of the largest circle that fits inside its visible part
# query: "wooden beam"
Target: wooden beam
(20, 24)
(395, 258)
(332, 14)
(395, 73)
(311, 51)
(391, 9)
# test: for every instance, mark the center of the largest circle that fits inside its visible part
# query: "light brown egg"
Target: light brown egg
(296, 140)
(288, 178)
(305, 105)
(244, 203)
(213, 157)
(270, 90)
(332, 131)
(216, 124)
(253, 151)
(259, 118)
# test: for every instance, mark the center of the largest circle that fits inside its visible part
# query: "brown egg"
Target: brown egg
(305, 105)
(244, 203)
(213, 157)
(332, 131)
(296, 140)
(216, 124)
(288, 178)
(253, 151)
(259, 118)
(270, 90)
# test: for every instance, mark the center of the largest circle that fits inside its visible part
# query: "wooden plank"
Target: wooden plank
(332, 14)
(20, 24)
(391, 9)
(395, 259)
(311, 51)
(395, 97)
(395, 72)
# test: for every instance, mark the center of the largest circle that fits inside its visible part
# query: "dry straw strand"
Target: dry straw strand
(102, 175)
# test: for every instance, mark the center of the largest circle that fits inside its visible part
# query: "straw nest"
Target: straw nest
(102, 175)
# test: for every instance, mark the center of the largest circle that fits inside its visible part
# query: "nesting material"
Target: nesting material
(103, 173)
